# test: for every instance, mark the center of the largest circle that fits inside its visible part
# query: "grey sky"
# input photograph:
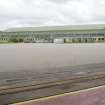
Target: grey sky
(19, 13)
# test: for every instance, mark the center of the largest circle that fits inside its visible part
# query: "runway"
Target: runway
(22, 86)
(91, 96)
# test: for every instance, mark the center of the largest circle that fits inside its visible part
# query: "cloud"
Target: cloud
(60, 1)
(20, 13)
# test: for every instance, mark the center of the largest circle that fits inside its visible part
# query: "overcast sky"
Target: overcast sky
(26, 13)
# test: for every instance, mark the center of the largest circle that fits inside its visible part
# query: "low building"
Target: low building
(70, 34)
(59, 41)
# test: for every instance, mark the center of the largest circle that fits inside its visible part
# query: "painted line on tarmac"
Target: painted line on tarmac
(60, 95)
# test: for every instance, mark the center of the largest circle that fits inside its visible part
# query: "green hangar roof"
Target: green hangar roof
(58, 28)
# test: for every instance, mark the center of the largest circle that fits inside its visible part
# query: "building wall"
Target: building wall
(69, 36)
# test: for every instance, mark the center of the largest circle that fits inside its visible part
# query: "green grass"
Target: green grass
(6, 42)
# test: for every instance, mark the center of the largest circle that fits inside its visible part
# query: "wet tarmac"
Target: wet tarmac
(94, 96)
(58, 74)
(23, 65)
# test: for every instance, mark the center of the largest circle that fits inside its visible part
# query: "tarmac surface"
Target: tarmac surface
(94, 96)
(23, 86)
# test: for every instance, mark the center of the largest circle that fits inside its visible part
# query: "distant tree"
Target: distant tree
(20, 40)
(13, 40)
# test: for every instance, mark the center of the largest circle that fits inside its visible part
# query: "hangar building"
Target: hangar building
(47, 34)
